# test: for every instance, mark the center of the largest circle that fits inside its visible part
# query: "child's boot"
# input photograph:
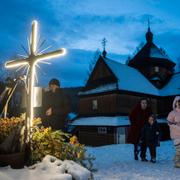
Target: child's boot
(153, 160)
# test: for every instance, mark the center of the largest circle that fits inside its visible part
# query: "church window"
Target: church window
(156, 69)
(94, 104)
(102, 130)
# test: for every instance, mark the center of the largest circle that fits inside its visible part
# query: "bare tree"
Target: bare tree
(92, 63)
(138, 48)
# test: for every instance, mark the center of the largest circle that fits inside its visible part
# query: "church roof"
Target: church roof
(151, 53)
(130, 79)
(173, 86)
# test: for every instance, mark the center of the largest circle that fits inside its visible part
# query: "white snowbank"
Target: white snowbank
(50, 168)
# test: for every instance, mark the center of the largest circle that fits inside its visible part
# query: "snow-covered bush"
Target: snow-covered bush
(57, 169)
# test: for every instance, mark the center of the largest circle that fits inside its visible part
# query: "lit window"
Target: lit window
(102, 130)
(156, 69)
(94, 104)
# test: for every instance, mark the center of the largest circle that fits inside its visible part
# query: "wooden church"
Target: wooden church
(113, 89)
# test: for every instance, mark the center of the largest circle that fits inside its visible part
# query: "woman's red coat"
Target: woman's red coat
(137, 119)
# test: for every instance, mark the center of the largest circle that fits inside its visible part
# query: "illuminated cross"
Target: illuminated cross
(31, 61)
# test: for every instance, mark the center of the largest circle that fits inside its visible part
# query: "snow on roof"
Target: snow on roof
(71, 116)
(106, 121)
(155, 78)
(155, 52)
(162, 120)
(173, 86)
(103, 88)
(130, 79)
(102, 121)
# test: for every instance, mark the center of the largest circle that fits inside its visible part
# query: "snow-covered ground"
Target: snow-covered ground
(114, 162)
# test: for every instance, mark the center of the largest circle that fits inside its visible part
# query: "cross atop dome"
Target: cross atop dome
(149, 34)
(104, 41)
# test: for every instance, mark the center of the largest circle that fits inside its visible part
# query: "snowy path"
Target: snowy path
(116, 162)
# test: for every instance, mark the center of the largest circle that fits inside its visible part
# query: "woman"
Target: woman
(138, 117)
(174, 125)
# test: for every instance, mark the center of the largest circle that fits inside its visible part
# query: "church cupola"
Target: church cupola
(152, 62)
(104, 53)
(149, 36)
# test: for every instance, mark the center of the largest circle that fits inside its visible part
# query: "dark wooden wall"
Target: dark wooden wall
(164, 105)
(106, 105)
(88, 135)
(111, 104)
(149, 72)
(121, 104)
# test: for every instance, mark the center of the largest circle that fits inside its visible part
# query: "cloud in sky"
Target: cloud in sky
(82, 24)
(77, 24)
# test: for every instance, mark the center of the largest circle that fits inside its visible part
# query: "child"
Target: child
(149, 139)
(174, 124)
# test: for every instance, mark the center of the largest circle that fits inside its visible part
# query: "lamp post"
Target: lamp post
(31, 62)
